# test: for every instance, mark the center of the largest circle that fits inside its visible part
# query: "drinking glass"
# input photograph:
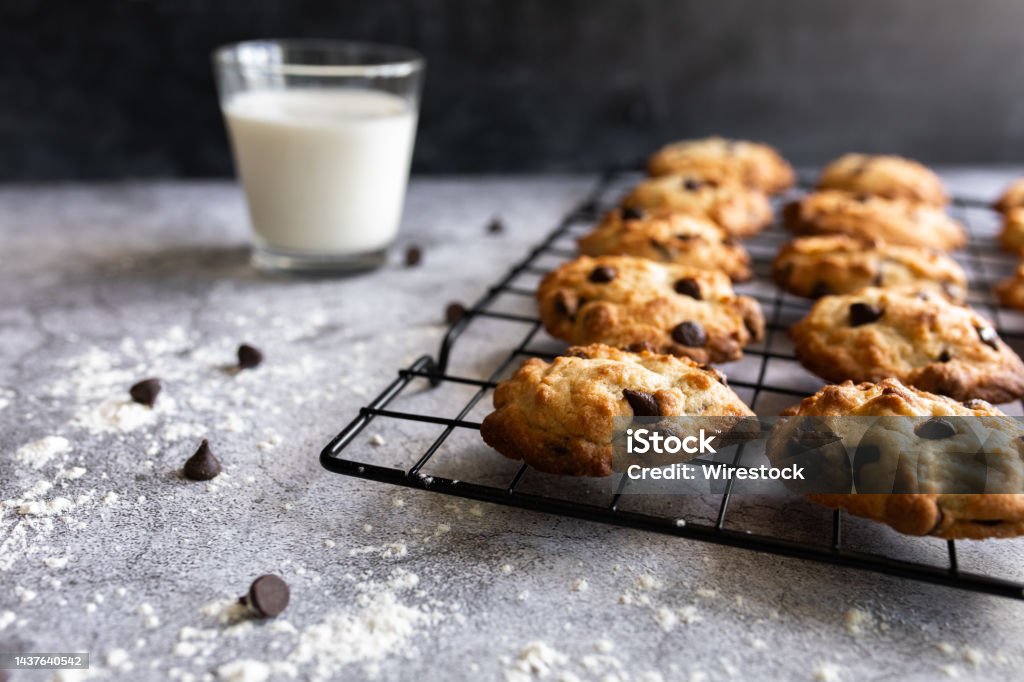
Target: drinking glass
(322, 133)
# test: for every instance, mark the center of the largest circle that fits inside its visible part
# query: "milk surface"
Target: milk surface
(324, 170)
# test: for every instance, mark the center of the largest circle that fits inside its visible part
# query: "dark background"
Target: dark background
(122, 88)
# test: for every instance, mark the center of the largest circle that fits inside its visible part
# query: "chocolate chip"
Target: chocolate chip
(566, 302)
(454, 312)
(145, 392)
(268, 596)
(935, 428)
(413, 256)
(864, 313)
(945, 356)
(495, 226)
(690, 334)
(877, 280)
(249, 356)
(641, 346)
(688, 286)
(688, 237)
(862, 198)
(203, 465)
(603, 274)
(820, 289)
(989, 337)
(643, 404)
(632, 213)
(692, 185)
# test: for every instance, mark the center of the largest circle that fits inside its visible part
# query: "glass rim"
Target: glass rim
(406, 63)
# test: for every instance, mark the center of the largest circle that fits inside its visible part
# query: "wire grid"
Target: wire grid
(768, 378)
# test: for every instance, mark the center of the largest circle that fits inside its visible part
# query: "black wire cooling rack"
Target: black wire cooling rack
(451, 458)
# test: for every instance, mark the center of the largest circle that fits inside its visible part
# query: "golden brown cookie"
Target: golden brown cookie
(838, 264)
(892, 177)
(1010, 291)
(754, 164)
(740, 211)
(557, 417)
(896, 221)
(920, 338)
(1012, 197)
(1011, 238)
(892, 447)
(670, 238)
(634, 303)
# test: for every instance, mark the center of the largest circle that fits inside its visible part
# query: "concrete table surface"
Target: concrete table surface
(104, 548)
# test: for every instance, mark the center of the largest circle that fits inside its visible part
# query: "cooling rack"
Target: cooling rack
(448, 456)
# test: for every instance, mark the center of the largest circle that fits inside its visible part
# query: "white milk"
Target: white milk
(324, 170)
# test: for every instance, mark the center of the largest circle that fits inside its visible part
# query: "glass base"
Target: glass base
(279, 262)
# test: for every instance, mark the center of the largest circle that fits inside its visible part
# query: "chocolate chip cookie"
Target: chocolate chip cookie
(635, 303)
(1010, 291)
(918, 337)
(754, 164)
(838, 264)
(910, 430)
(1012, 197)
(557, 417)
(669, 238)
(897, 221)
(892, 177)
(1011, 237)
(739, 210)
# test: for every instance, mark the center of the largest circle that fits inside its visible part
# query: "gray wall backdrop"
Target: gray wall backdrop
(122, 88)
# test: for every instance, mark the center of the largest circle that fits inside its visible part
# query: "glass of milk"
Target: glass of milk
(322, 134)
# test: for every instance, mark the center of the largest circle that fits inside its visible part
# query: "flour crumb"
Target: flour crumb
(973, 656)
(398, 502)
(950, 671)
(6, 618)
(580, 585)
(329, 543)
(377, 440)
(110, 498)
(56, 562)
(856, 620)
(827, 672)
(604, 646)
(244, 671)
(946, 648)
(117, 658)
(536, 659)
(38, 454)
(666, 618)
(505, 568)
(71, 474)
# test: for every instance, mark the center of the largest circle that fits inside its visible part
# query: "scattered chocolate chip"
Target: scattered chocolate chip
(692, 185)
(863, 313)
(820, 289)
(729, 240)
(203, 465)
(989, 337)
(862, 198)
(688, 237)
(145, 392)
(268, 596)
(249, 356)
(878, 279)
(454, 312)
(496, 226)
(688, 286)
(690, 334)
(666, 251)
(643, 404)
(413, 256)
(935, 428)
(945, 356)
(603, 274)
(632, 213)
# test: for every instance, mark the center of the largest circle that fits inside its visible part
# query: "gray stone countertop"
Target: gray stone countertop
(104, 548)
